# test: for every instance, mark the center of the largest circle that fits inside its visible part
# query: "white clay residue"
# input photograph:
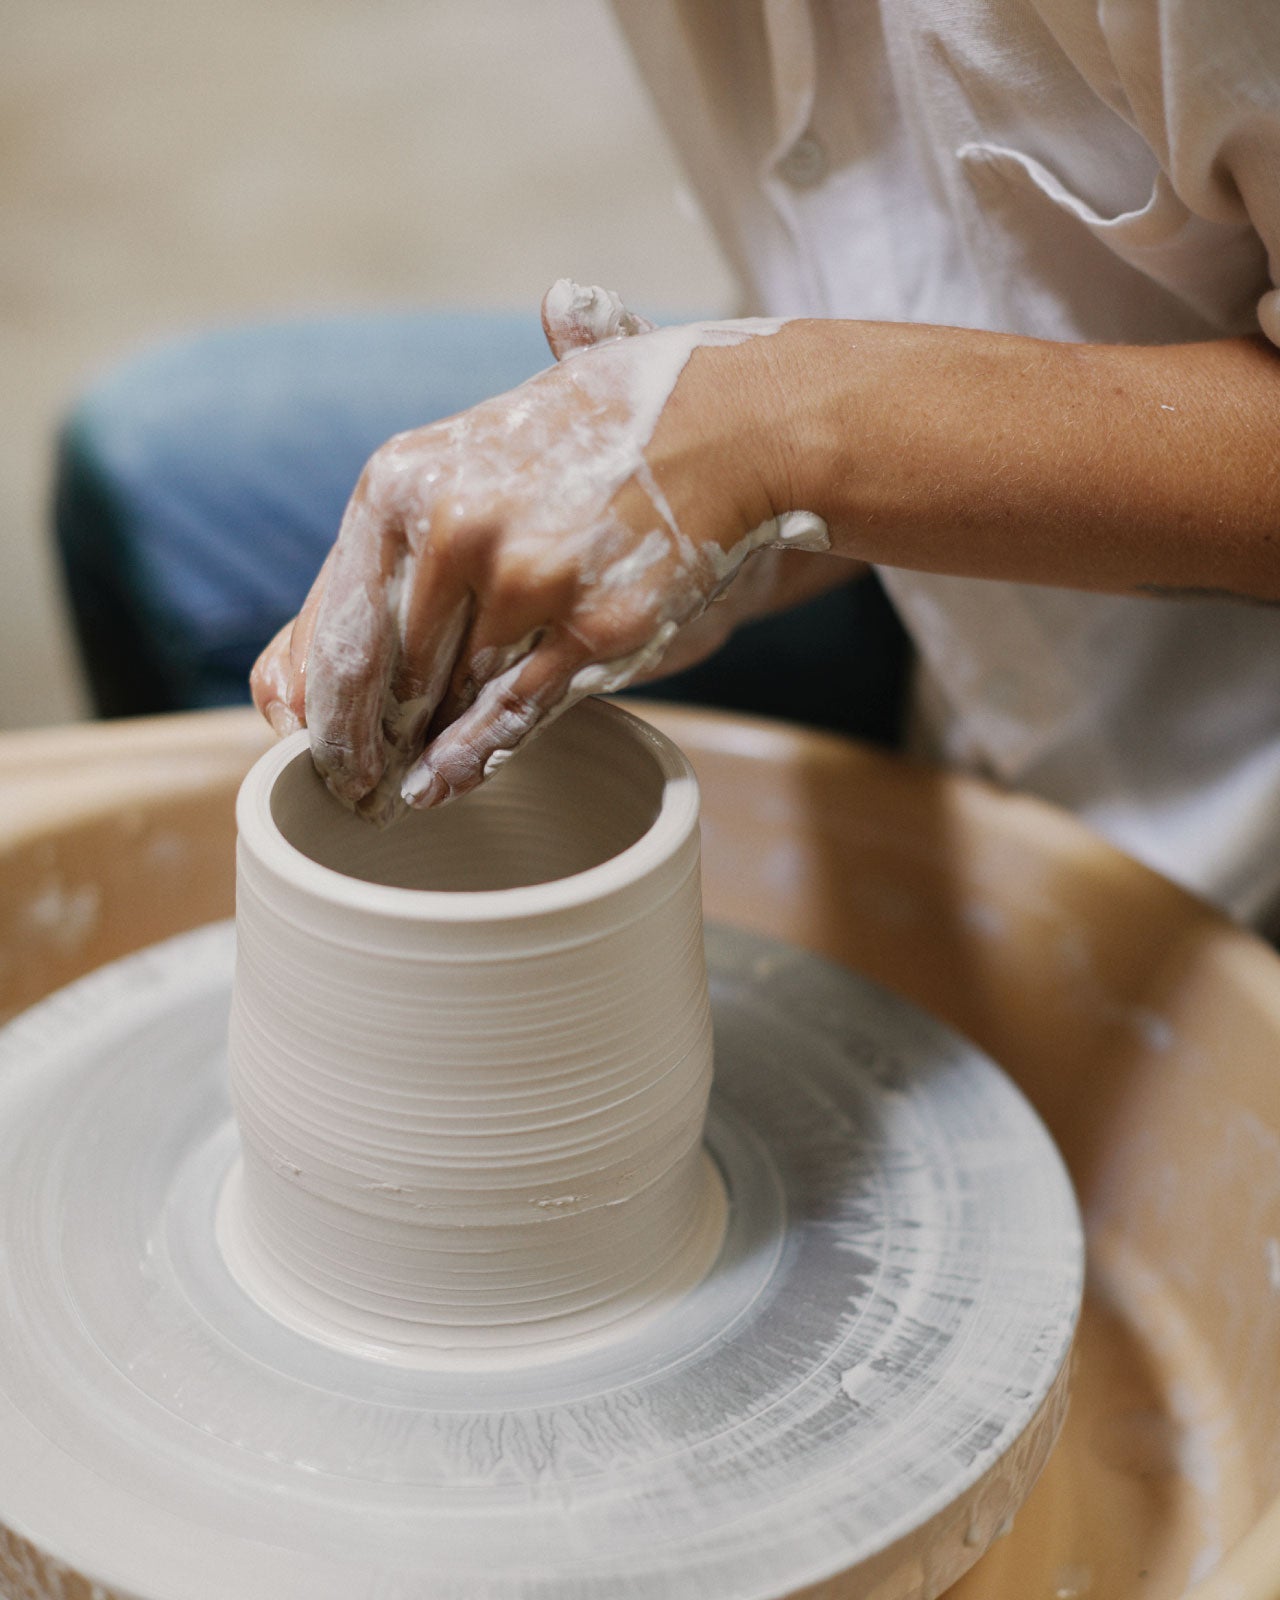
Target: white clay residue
(64, 916)
(589, 315)
(632, 391)
(552, 455)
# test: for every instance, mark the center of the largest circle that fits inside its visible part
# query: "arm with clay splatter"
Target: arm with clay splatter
(561, 540)
(1124, 469)
(568, 537)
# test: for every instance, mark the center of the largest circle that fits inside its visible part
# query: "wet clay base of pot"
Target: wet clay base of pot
(867, 1381)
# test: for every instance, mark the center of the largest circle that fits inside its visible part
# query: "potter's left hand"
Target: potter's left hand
(553, 542)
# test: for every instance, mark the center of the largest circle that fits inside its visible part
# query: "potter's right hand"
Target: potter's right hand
(493, 568)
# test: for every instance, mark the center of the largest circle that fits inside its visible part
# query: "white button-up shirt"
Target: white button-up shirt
(1102, 170)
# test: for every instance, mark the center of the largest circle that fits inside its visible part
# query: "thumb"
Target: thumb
(574, 317)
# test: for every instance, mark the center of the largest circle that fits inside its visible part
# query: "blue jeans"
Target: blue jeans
(199, 487)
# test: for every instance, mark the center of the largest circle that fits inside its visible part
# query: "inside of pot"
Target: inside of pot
(584, 790)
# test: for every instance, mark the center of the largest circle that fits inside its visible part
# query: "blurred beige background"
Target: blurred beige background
(166, 164)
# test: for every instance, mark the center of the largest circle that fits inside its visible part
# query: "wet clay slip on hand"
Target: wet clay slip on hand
(466, 1281)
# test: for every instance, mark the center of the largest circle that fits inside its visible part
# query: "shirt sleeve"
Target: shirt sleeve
(1202, 81)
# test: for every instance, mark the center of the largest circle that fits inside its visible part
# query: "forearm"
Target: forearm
(562, 539)
(1121, 468)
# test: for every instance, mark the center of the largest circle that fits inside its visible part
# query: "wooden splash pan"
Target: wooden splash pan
(1144, 1027)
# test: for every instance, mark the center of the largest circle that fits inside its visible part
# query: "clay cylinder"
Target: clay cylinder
(470, 1054)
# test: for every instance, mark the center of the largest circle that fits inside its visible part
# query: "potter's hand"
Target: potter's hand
(493, 568)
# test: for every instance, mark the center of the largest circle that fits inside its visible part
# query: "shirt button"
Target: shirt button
(805, 164)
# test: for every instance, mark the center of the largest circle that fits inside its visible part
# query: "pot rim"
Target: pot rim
(676, 819)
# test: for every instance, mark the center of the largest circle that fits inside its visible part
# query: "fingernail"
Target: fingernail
(282, 719)
(423, 788)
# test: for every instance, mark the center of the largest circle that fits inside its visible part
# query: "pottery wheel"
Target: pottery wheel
(870, 1377)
